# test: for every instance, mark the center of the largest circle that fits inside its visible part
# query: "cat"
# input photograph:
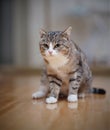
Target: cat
(66, 69)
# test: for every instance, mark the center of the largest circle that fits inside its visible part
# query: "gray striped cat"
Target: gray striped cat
(66, 69)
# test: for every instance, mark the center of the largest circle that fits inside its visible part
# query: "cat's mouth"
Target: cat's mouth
(50, 54)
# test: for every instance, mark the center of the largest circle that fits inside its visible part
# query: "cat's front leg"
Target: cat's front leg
(74, 84)
(54, 89)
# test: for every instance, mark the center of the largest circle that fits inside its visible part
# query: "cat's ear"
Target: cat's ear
(67, 31)
(42, 33)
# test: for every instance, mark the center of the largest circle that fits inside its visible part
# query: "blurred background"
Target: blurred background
(21, 20)
(21, 63)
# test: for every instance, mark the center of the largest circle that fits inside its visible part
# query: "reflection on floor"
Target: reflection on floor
(19, 112)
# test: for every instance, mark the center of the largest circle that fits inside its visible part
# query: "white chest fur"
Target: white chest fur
(57, 61)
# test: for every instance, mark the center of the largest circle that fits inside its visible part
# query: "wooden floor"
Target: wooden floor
(19, 112)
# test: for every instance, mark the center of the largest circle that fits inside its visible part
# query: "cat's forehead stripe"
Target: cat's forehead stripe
(52, 35)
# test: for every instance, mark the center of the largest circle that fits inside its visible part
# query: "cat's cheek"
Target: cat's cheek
(65, 51)
(55, 52)
(46, 53)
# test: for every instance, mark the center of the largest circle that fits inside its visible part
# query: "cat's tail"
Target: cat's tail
(98, 91)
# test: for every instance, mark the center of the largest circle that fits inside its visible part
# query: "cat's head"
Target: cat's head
(55, 43)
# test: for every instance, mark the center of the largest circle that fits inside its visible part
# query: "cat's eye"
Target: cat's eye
(57, 45)
(43, 40)
(46, 46)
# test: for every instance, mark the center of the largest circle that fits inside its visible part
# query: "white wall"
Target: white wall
(19, 34)
(28, 19)
(35, 22)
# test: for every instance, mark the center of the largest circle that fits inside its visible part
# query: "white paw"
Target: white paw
(72, 98)
(38, 94)
(51, 100)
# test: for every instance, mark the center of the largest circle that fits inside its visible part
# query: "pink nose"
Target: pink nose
(50, 52)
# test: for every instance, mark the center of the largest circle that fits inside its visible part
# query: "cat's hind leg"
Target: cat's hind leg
(74, 84)
(43, 89)
(42, 92)
(84, 88)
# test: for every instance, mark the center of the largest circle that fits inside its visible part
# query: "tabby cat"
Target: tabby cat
(66, 69)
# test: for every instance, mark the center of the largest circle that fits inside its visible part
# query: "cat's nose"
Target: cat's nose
(50, 52)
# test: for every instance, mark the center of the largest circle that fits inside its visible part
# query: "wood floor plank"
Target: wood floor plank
(19, 112)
